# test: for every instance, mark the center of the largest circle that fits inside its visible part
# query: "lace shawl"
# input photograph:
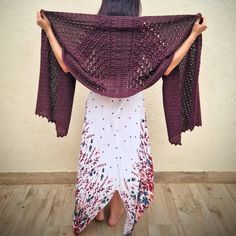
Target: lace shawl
(119, 56)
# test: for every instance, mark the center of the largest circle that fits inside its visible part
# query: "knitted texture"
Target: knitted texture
(119, 56)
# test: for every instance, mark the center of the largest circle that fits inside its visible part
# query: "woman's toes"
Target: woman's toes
(114, 217)
(100, 215)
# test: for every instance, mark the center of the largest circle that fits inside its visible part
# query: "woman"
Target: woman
(115, 140)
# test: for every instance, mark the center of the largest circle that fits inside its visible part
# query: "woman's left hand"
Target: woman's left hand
(43, 21)
(199, 28)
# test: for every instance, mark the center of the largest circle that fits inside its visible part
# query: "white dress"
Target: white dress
(114, 155)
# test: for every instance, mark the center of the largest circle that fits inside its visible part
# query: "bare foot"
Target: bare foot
(115, 217)
(100, 215)
(116, 209)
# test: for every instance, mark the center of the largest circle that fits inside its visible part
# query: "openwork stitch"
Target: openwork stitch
(119, 56)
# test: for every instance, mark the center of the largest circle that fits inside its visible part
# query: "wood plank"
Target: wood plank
(59, 231)
(221, 205)
(223, 211)
(63, 206)
(208, 223)
(103, 229)
(35, 209)
(163, 207)
(11, 205)
(197, 230)
(166, 230)
(141, 227)
(187, 208)
(192, 210)
(231, 188)
(213, 190)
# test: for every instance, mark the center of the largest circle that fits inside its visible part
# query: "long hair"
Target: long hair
(120, 8)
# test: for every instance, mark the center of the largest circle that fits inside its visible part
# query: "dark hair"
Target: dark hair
(120, 8)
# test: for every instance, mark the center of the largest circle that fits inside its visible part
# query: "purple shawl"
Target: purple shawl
(119, 56)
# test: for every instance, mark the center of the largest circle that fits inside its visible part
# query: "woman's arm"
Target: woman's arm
(183, 49)
(44, 23)
(56, 48)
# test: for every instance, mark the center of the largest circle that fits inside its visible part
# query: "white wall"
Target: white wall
(29, 143)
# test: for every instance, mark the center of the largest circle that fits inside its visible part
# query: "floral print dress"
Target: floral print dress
(114, 155)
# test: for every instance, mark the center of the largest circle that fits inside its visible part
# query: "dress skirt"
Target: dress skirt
(115, 154)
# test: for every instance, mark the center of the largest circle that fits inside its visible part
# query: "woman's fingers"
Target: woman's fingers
(40, 20)
(199, 28)
(43, 15)
(43, 21)
(204, 25)
(204, 21)
(39, 16)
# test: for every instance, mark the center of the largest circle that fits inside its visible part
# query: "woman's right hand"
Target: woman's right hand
(43, 21)
(199, 28)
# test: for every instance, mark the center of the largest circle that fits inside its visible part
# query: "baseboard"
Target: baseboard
(160, 177)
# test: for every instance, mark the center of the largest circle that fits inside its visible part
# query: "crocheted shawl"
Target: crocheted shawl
(119, 56)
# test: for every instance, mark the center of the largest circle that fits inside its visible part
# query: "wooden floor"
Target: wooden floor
(193, 209)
